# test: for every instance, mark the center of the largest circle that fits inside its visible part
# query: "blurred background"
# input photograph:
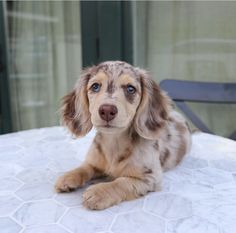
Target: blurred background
(45, 44)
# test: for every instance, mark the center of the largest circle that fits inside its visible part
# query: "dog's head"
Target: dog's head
(114, 96)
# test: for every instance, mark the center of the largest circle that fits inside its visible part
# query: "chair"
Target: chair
(204, 92)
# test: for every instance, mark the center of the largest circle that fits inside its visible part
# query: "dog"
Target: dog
(139, 134)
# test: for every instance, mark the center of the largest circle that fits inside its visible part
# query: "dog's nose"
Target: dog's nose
(108, 112)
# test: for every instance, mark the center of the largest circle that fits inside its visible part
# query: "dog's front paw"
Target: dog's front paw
(99, 196)
(69, 182)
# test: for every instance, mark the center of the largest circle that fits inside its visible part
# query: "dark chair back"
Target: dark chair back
(205, 92)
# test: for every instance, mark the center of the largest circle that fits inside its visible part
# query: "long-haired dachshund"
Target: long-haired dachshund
(139, 135)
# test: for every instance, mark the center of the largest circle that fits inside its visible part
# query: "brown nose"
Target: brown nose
(108, 112)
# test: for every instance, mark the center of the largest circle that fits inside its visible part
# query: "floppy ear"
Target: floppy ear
(153, 110)
(75, 107)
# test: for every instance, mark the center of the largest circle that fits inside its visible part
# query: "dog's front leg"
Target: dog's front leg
(76, 178)
(103, 195)
(79, 176)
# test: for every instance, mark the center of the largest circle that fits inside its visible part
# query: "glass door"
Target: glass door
(189, 40)
(44, 58)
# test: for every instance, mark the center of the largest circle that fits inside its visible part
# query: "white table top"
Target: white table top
(199, 196)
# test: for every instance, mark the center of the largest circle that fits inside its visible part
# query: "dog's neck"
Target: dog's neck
(112, 137)
(115, 144)
(129, 135)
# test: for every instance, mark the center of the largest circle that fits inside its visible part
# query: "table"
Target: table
(198, 196)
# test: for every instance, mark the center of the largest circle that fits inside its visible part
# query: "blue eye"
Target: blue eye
(131, 89)
(96, 87)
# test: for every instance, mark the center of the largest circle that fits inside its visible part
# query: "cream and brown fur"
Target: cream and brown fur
(134, 143)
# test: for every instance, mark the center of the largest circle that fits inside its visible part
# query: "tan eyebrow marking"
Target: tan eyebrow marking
(100, 77)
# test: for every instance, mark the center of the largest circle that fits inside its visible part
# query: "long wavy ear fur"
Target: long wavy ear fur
(75, 107)
(153, 110)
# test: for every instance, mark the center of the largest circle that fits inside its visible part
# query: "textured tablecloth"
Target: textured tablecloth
(199, 196)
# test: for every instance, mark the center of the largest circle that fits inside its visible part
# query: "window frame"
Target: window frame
(5, 107)
(106, 29)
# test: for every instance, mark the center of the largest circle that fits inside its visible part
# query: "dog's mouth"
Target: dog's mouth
(108, 126)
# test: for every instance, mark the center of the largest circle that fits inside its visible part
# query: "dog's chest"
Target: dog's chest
(128, 160)
(117, 159)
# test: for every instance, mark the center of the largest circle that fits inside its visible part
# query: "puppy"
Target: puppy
(139, 135)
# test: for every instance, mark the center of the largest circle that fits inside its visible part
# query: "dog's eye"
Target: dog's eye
(131, 89)
(96, 87)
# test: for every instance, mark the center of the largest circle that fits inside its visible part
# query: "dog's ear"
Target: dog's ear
(75, 113)
(153, 110)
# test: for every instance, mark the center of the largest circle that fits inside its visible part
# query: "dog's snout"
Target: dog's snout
(108, 112)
